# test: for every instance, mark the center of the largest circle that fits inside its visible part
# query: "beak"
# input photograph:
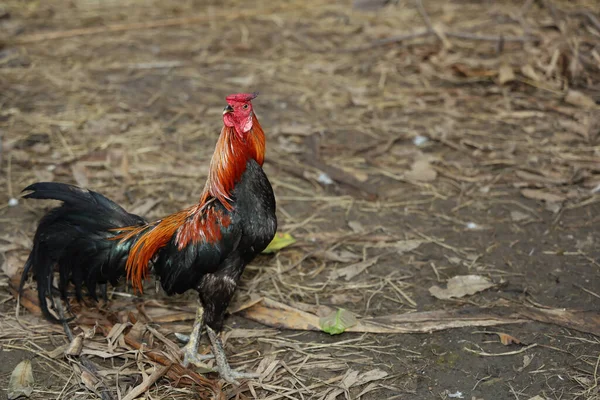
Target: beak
(227, 109)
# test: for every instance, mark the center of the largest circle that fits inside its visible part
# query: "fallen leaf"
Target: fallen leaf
(529, 72)
(359, 175)
(343, 256)
(528, 176)
(473, 71)
(349, 380)
(518, 216)
(80, 175)
(280, 241)
(579, 99)
(404, 246)
(89, 380)
(571, 126)
(345, 298)
(460, 286)
(337, 322)
(281, 316)
(75, 347)
(21, 381)
(543, 196)
(12, 263)
(505, 74)
(507, 339)
(421, 170)
(527, 359)
(351, 271)
(356, 226)
(370, 376)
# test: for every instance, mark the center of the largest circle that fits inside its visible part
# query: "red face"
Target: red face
(238, 113)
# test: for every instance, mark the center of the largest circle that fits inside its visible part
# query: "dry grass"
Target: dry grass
(469, 127)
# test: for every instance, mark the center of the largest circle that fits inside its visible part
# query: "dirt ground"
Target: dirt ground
(476, 144)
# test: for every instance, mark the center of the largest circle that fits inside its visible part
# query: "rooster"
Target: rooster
(205, 247)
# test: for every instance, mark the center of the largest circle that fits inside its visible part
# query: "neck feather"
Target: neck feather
(229, 160)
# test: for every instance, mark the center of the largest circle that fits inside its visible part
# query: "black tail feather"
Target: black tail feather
(76, 237)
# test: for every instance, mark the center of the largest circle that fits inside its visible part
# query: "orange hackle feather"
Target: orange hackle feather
(199, 223)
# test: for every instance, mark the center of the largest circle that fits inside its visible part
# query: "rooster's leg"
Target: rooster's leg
(104, 291)
(223, 367)
(190, 351)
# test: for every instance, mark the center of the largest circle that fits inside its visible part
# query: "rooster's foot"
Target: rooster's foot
(232, 376)
(191, 356)
(227, 373)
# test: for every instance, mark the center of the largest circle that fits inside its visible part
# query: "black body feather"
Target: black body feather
(76, 237)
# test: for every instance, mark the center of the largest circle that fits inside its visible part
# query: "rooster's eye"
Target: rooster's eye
(245, 106)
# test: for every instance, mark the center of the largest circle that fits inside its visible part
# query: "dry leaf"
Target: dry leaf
(505, 74)
(549, 178)
(356, 226)
(473, 71)
(359, 175)
(370, 376)
(579, 99)
(527, 359)
(421, 170)
(507, 339)
(460, 286)
(75, 347)
(570, 126)
(345, 298)
(343, 256)
(404, 246)
(21, 381)
(349, 380)
(80, 174)
(543, 196)
(351, 271)
(89, 380)
(281, 316)
(12, 263)
(529, 72)
(518, 216)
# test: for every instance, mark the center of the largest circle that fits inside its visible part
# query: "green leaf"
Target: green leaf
(337, 322)
(280, 241)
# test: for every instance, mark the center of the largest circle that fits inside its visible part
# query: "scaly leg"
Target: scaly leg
(223, 367)
(190, 350)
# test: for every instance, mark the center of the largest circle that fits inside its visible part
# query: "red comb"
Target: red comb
(241, 97)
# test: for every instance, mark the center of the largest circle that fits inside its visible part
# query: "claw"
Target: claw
(191, 356)
(225, 371)
(231, 376)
